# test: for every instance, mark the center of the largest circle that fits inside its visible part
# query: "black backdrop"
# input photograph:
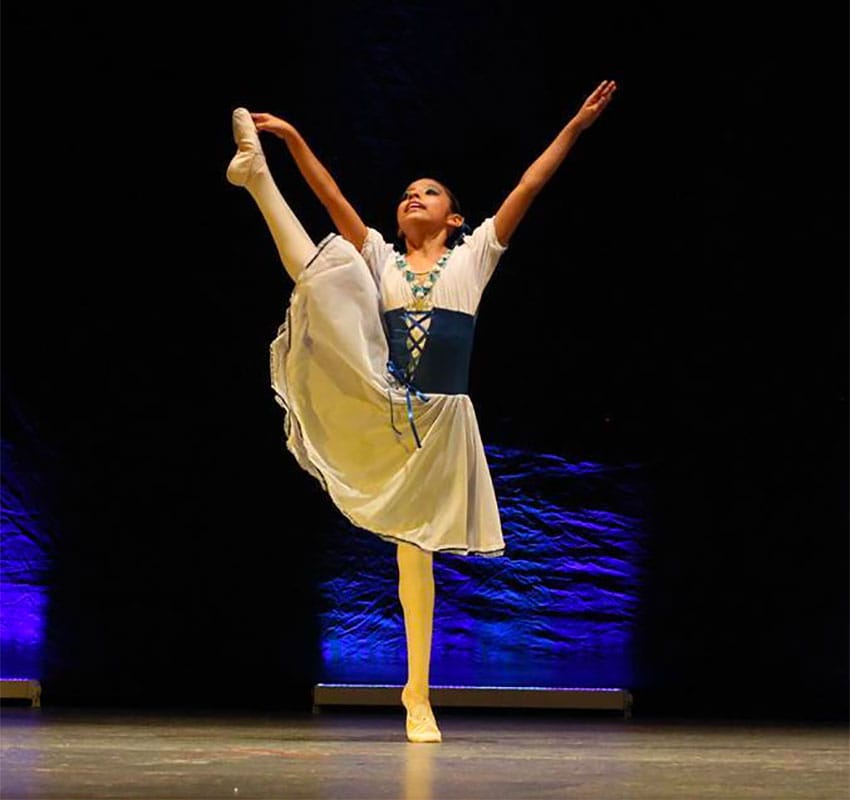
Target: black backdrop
(677, 296)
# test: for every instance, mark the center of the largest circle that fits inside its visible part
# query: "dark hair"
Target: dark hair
(455, 237)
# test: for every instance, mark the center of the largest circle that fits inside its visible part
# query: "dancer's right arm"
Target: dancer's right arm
(345, 218)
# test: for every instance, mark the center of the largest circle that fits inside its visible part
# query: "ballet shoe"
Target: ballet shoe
(249, 156)
(421, 726)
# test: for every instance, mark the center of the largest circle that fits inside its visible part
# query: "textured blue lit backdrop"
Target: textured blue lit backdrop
(559, 609)
(27, 540)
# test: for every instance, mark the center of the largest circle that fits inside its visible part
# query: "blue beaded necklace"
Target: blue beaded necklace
(421, 290)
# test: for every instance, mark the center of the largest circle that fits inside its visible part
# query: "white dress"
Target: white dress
(346, 419)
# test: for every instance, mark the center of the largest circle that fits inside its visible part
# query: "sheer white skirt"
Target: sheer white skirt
(329, 373)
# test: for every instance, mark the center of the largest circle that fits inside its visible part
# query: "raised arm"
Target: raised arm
(345, 218)
(537, 175)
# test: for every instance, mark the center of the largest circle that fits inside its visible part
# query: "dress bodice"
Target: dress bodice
(433, 346)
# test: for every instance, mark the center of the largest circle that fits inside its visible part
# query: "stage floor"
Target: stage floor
(94, 754)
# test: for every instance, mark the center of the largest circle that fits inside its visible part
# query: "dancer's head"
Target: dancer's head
(427, 207)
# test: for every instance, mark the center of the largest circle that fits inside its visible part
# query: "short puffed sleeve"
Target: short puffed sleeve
(485, 250)
(375, 251)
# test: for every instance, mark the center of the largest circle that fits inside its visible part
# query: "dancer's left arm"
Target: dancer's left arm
(513, 209)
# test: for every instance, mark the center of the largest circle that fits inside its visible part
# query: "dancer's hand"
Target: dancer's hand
(268, 122)
(595, 104)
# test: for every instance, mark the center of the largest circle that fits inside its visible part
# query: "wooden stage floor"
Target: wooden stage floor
(95, 754)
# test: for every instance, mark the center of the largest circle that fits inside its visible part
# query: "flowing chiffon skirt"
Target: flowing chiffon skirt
(346, 419)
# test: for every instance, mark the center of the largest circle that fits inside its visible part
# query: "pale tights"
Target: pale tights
(415, 566)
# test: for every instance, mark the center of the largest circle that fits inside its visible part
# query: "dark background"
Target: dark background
(676, 297)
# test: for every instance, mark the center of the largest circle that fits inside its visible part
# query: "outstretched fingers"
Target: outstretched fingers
(603, 91)
(601, 96)
(597, 92)
(261, 120)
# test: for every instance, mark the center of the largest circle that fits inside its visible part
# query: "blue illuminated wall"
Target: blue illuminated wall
(559, 609)
(26, 544)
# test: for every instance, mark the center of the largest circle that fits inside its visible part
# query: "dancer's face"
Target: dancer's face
(426, 204)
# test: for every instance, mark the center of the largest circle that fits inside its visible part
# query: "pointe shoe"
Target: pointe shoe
(249, 154)
(421, 725)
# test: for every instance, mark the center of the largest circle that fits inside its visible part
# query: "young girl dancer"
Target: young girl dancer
(371, 364)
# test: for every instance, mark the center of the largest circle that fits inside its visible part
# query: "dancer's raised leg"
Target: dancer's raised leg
(248, 168)
(416, 592)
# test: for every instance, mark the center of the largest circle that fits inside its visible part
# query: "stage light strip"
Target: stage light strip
(476, 688)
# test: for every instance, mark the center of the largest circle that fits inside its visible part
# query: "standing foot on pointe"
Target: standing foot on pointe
(249, 156)
(421, 725)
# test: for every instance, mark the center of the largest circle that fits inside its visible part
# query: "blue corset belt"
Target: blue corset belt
(430, 351)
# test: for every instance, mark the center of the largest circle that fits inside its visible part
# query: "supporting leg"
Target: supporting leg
(248, 168)
(416, 592)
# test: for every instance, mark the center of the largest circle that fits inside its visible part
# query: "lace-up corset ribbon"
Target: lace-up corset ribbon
(433, 347)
